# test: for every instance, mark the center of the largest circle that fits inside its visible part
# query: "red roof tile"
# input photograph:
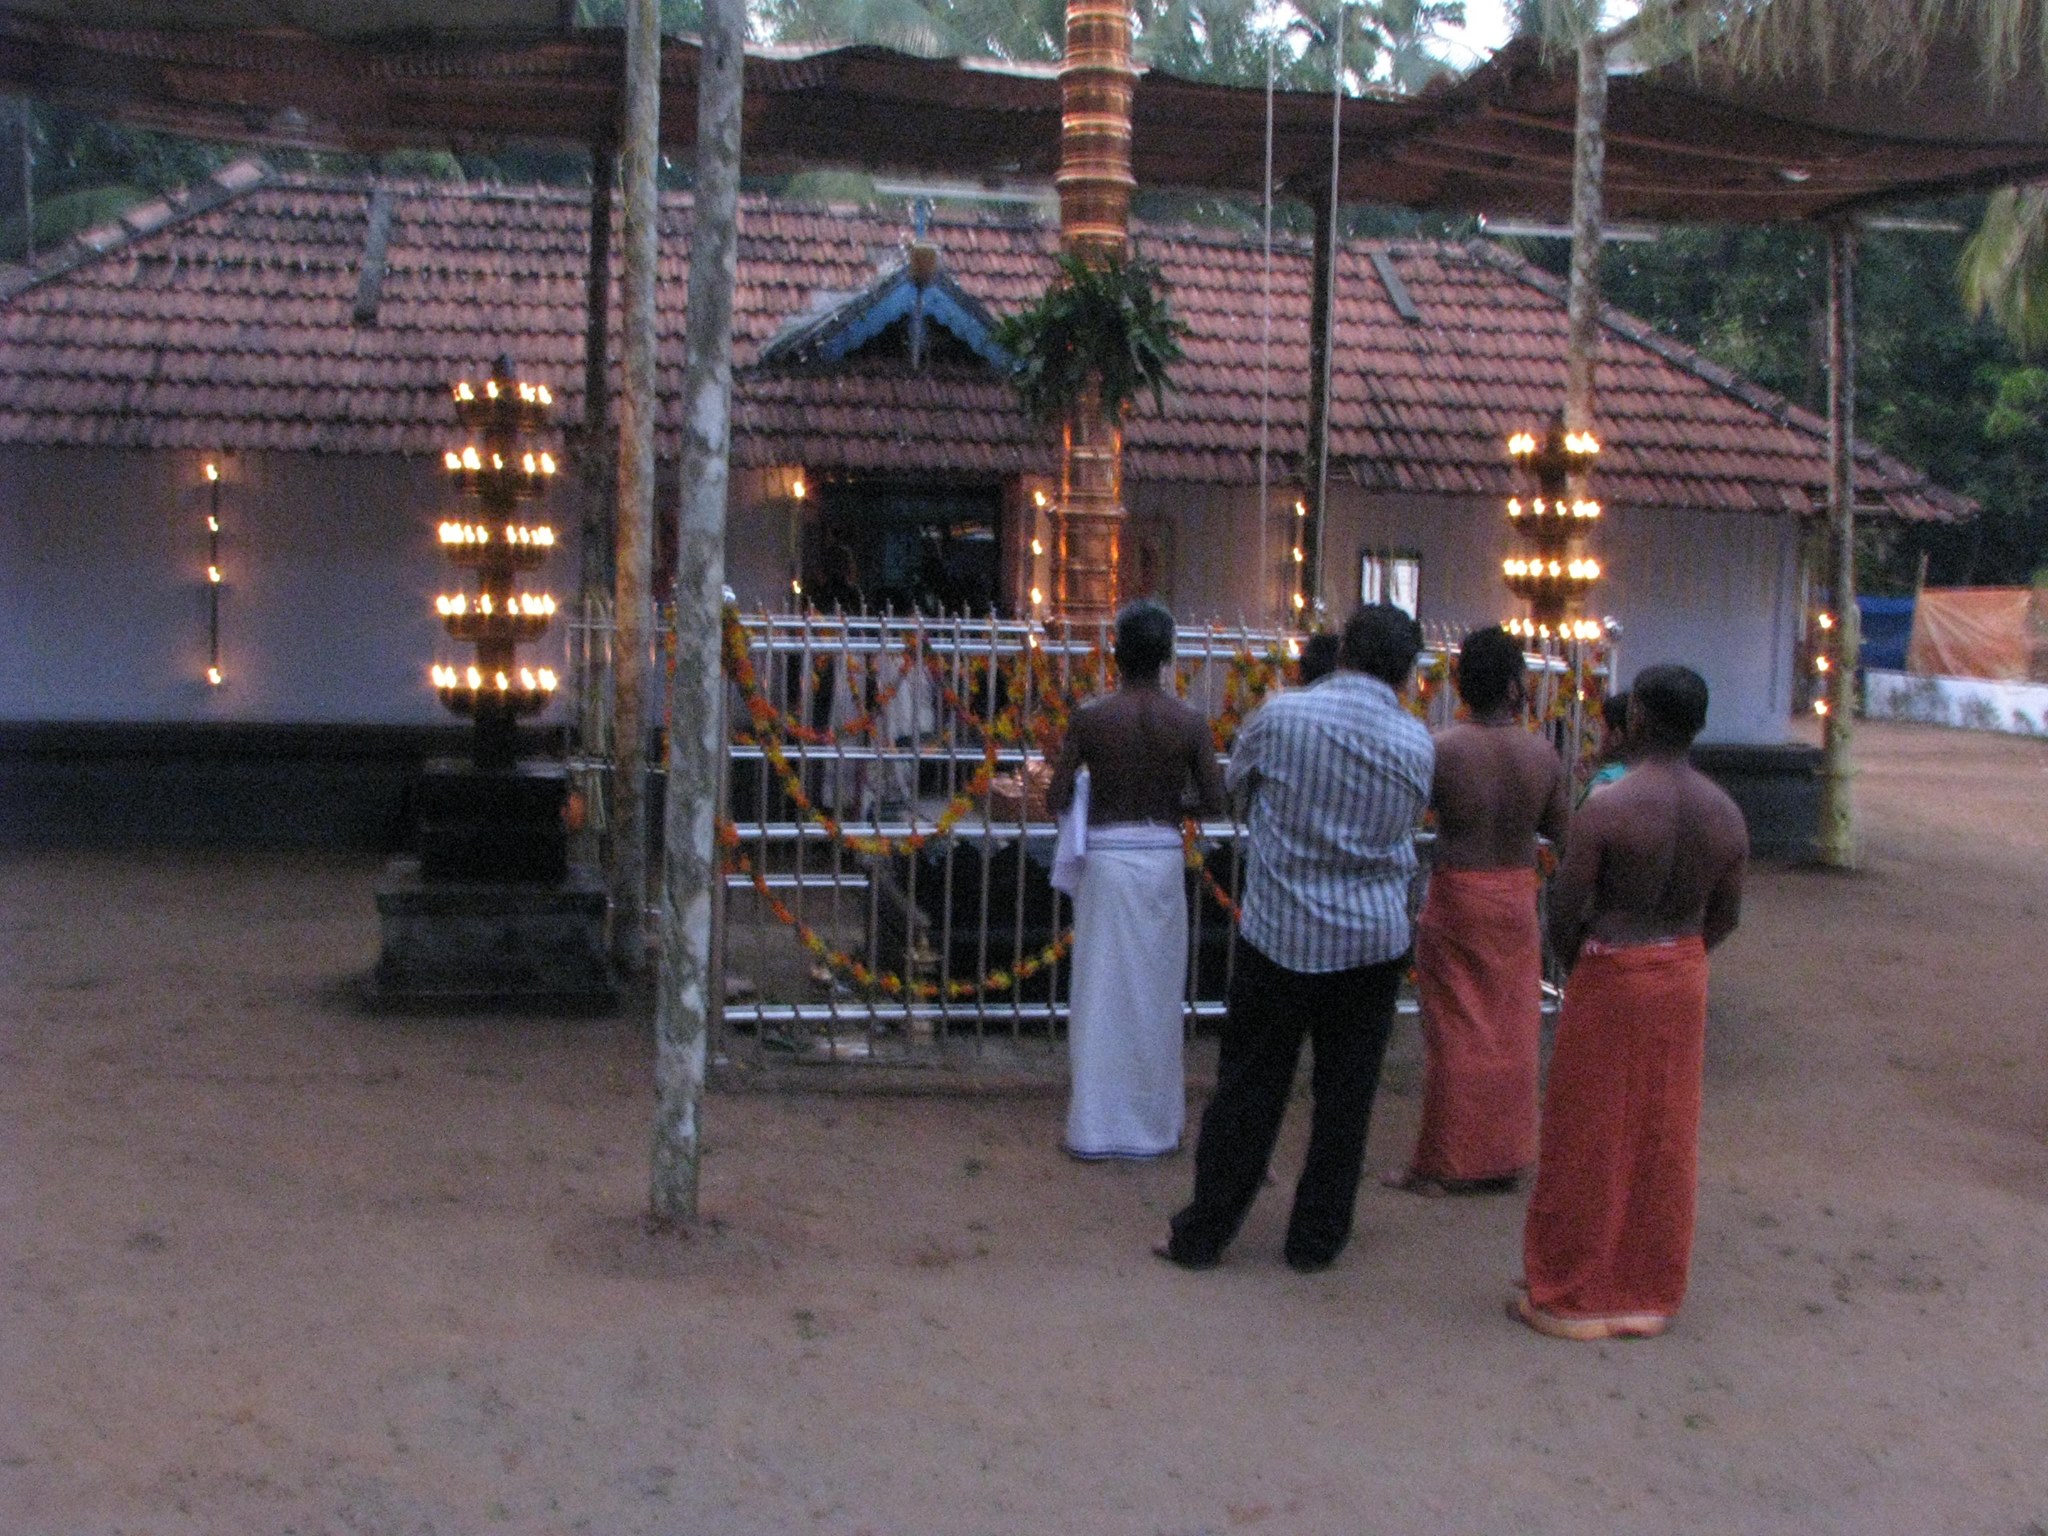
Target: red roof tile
(228, 324)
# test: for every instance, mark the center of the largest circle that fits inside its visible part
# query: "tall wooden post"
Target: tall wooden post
(596, 463)
(632, 599)
(1582, 304)
(597, 448)
(1837, 801)
(689, 990)
(1094, 181)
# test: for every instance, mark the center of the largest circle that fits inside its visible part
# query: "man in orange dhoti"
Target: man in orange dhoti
(1651, 882)
(1478, 948)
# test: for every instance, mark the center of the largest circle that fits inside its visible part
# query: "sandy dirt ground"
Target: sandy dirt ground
(272, 1265)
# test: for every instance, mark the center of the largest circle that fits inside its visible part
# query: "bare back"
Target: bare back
(1496, 787)
(1657, 854)
(1150, 759)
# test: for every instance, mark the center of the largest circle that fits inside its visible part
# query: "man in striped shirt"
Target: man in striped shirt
(1336, 777)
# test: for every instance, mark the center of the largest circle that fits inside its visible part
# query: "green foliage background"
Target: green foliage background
(1943, 392)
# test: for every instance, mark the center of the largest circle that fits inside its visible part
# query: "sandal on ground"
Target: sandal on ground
(1612, 1325)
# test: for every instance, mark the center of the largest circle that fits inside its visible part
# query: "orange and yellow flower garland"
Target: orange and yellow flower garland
(1250, 680)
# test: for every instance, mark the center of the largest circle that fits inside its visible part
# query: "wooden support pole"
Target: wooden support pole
(596, 468)
(632, 600)
(1837, 791)
(597, 445)
(689, 991)
(1582, 305)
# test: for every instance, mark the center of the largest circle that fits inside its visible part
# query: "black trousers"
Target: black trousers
(1346, 1015)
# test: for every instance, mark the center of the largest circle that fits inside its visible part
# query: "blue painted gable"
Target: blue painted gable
(839, 332)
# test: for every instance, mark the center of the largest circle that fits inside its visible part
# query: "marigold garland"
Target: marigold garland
(1199, 861)
(1248, 681)
(865, 978)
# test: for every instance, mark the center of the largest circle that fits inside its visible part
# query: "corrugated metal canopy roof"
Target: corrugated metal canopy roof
(320, 18)
(1687, 142)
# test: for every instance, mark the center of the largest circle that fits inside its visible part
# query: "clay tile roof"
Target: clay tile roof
(226, 319)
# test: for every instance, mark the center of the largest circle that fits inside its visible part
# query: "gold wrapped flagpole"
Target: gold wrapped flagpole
(1095, 183)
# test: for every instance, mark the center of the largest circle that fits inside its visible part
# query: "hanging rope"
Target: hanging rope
(1266, 353)
(1316, 572)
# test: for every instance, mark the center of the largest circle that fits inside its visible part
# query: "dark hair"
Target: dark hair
(1672, 702)
(1489, 663)
(1318, 657)
(1382, 642)
(1144, 638)
(1614, 711)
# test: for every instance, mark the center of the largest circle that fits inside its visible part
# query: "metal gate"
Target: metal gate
(887, 847)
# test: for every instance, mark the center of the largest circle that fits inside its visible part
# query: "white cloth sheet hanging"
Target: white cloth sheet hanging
(1070, 853)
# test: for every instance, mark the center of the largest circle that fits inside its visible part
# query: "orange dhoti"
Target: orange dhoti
(1479, 974)
(1610, 1222)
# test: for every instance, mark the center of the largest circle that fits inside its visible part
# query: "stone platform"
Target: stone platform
(486, 943)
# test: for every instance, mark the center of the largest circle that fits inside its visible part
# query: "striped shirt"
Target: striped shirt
(1338, 776)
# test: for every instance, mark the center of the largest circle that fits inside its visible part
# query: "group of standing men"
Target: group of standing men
(1334, 780)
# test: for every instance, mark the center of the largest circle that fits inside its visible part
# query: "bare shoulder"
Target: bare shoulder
(1602, 813)
(1537, 754)
(1716, 806)
(1453, 742)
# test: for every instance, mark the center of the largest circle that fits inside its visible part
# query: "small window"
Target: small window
(1392, 576)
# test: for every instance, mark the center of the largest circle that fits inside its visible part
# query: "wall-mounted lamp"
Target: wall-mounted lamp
(214, 675)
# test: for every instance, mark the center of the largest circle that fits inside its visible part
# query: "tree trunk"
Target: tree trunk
(689, 989)
(631, 604)
(1837, 801)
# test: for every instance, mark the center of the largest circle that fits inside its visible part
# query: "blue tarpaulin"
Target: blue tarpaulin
(1887, 630)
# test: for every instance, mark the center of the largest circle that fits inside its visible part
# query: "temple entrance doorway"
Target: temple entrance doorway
(874, 544)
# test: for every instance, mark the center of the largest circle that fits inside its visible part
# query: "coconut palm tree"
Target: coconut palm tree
(2004, 271)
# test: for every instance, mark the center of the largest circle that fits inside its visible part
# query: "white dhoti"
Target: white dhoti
(1130, 975)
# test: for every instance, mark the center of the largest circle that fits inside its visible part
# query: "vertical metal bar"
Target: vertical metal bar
(768, 792)
(909, 697)
(1029, 711)
(958, 672)
(721, 898)
(987, 852)
(838, 848)
(804, 663)
(871, 938)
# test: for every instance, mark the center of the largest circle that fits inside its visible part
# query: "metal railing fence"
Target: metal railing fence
(887, 846)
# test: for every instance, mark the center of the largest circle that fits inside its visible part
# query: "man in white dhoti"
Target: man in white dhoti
(1151, 761)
